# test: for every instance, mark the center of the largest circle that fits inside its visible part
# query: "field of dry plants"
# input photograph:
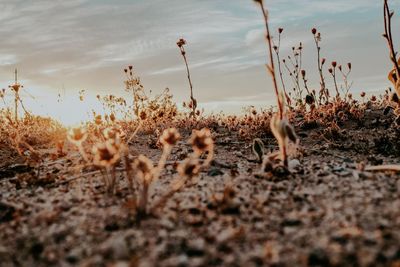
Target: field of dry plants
(314, 182)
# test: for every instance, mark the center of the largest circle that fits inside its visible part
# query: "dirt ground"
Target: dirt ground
(327, 212)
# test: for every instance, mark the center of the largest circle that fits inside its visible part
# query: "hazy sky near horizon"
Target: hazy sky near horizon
(85, 44)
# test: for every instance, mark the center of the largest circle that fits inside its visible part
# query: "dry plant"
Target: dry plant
(395, 73)
(193, 102)
(277, 48)
(345, 76)
(201, 142)
(106, 146)
(16, 87)
(323, 93)
(134, 85)
(332, 71)
(142, 173)
(2, 96)
(280, 125)
(293, 65)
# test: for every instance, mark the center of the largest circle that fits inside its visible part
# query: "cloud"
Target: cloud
(86, 43)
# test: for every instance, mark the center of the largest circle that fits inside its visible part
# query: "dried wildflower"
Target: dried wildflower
(112, 133)
(280, 30)
(334, 64)
(362, 94)
(201, 141)
(143, 115)
(170, 137)
(98, 120)
(77, 136)
(314, 31)
(181, 42)
(283, 132)
(112, 117)
(310, 99)
(395, 73)
(106, 154)
(189, 168)
(144, 166)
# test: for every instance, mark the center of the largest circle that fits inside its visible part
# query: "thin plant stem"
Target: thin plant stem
(194, 102)
(388, 36)
(271, 66)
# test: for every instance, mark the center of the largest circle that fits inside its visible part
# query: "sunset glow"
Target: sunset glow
(88, 44)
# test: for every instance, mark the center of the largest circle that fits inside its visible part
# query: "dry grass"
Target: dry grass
(108, 147)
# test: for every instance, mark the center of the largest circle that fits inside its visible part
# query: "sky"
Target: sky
(62, 47)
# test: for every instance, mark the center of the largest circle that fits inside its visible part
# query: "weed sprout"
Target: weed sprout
(193, 102)
(280, 125)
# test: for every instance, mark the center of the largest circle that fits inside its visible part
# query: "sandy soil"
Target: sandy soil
(327, 212)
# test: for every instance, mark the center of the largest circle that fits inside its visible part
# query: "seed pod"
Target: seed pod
(258, 149)
(314, 31)
(309, 99)
(170, 137)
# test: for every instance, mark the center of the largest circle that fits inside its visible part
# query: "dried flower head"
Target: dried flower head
(112, 133)
(280, 30)
(170, 137)
(112, 117)
(334, 64)
(143, 115)
(362, 94)
(309, 99)
(144, 166)
(190, 167)
(98, 120)
(77, 136)
(283, 132)
(181, 42)
(106, 154)
(201, 141)
(314, 31)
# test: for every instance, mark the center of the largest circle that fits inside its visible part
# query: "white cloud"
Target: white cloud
(86, 43)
